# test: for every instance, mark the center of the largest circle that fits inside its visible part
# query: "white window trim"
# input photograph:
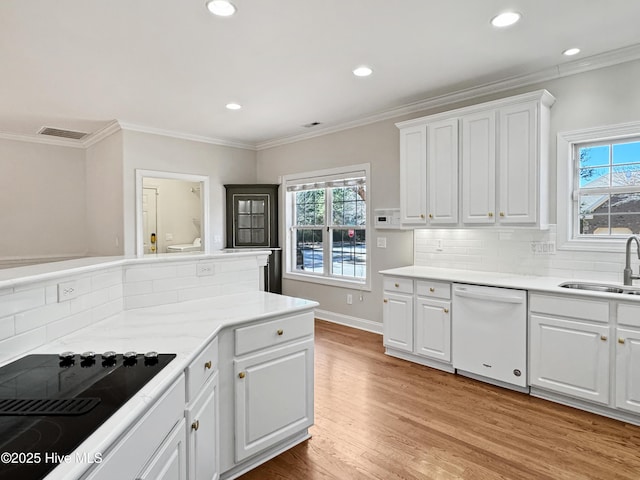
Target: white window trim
(565, 185)
(286, 228)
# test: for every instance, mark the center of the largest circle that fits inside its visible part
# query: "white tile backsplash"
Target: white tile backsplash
(510, 251)
(31, 315)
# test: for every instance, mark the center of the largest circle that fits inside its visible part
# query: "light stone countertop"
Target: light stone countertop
(182, 328)
(533, 283)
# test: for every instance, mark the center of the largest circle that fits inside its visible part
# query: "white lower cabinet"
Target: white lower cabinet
(202, 438)
(417, 321)
(273, 397)
(570, 357)
(628, 369)
(433, 329)
(169, 461)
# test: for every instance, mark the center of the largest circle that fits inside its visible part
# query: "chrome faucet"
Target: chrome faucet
(628, 273)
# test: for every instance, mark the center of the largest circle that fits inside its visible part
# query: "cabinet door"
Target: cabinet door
(479, 167)
(397, 318)
(570, 357)
(273, 396)
(413, 175)
(518, 164)
(169, 462)
(628, 370)
(442, 172)
(433, 329)
(203, 445)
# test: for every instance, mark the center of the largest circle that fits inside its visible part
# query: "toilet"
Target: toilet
(196, 246)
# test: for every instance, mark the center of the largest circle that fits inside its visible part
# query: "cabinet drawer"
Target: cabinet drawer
(429, 288)
(629, 315)
(397, 284)
(275, 332)
(201, 369)
(594, 310)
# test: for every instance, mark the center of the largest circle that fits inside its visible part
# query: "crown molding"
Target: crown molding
(188, 136)
(594, 62)
(99, 135)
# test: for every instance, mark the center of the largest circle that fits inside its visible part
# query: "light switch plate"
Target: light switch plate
(382, 242)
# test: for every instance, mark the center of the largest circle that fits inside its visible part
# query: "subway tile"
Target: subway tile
(18, 344)
(169, 284)
(150, 300)
(137, 288)
(21, 301)
(41, 316)
(106, 279)
(106, 310)
(7, 327)
(68, 325)
(142, 273)
(116, 292)
(51, 294)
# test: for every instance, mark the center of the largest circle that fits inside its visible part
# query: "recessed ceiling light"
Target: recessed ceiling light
(222, 8)
(234, 106)
(571, 51)
(505, 19)
(362, 71)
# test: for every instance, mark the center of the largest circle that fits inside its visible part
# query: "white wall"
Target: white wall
(42, 201)
(104, 197)
(155, 152)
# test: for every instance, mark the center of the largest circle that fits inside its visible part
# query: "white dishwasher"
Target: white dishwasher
(489, 334)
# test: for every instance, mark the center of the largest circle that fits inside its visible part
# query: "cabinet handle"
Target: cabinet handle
(621, 341)
(446, 310)
(207, 365)
(385, 300)
(280, 331)
(422, 215)
(195, 425)
(430, 216)
(603, 338)
(431, 289)
(242, 374)
(502, 214)
(397, 285)
(490, 214)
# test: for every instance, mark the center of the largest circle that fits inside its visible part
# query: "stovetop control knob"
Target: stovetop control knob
(151, 358)
(67, 356)
(129, 355)
(88, 355)
(109, 355)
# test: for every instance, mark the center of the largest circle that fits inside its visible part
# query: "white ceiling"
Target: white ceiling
(170, 66)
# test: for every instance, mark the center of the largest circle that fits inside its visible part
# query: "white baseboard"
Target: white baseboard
(349, 321)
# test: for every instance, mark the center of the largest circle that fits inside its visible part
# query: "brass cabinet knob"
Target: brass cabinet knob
(430, 216)
(397, 285)
(490, 214)
(621, 341)
(208, 365)
(422, 215)
(603, 338)
(502, 214)
(386, 301)
(446, 310)
(280, 331)
(431, 289)
(195, 425)
(242, 374)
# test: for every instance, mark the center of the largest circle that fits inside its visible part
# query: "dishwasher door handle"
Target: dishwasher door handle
(484, 296)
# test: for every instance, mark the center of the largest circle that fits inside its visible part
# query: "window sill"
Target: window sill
(363, 285)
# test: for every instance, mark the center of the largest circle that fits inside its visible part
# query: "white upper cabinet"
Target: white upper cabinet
(486, 164)
(413, 175)
(479, 167)
(442, 172)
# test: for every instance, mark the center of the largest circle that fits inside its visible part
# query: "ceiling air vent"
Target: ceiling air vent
(312, 124)
(57, 132)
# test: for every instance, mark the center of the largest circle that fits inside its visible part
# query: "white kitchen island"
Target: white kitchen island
(200, 416)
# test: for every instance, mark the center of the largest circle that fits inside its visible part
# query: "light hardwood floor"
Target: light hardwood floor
(378, 417)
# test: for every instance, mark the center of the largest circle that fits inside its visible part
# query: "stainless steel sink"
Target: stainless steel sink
(596, 287)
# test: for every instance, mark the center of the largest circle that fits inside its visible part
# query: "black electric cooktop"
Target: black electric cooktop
(49, 404)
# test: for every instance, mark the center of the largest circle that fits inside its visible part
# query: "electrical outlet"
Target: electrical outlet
(168, 237)
(382, 242)
(204, 269)
(543, 248)
(67, 291)
(349, 299)
(439, 245)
